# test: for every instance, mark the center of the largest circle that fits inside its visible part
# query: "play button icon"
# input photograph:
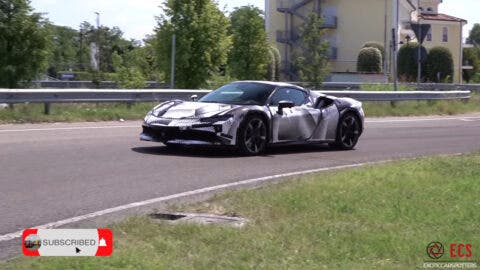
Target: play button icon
(77, 250)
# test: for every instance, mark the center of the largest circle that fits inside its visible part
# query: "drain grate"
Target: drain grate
(163, 216)
(204, 219)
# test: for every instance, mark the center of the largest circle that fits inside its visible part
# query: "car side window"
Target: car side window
(288, 94)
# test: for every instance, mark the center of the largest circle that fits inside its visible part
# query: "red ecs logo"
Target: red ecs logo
(460, 250)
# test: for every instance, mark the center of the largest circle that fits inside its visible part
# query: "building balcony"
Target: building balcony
(290, 5)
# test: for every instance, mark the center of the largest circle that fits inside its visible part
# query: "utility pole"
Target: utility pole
(385, 37)
(419, 64)
(172, 72)
(395, 43)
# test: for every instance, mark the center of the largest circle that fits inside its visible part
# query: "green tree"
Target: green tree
(143, 58)
(369, 60)
(249, 56)
(110, 39)
(24, 43)
(311, 59)
(474, 37)
(439, 65)
(471, 58)
(64, 50)
(202, 41)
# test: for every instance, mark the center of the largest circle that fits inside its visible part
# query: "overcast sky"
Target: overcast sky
(136, 18)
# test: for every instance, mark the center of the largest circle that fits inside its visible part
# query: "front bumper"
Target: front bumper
(199, 134)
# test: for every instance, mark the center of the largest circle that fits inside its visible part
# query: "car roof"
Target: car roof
(278, 84)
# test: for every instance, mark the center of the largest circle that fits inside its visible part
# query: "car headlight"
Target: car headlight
(217, 118)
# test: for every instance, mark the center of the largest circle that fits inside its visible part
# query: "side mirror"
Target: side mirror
(194, 98)
(323, 102)
(284, 104)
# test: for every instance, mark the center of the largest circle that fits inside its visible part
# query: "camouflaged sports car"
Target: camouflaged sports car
(252, 115)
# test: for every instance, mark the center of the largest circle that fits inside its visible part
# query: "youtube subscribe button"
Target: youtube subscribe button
(67, 242)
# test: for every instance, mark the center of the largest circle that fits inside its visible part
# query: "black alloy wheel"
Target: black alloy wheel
(348, 132)
(252, 136)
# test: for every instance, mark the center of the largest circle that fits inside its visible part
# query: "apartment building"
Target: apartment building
(350, 23)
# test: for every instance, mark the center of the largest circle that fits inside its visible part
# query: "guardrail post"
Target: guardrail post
(46, 108)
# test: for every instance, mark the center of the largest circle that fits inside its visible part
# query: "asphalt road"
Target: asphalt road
(51, 172)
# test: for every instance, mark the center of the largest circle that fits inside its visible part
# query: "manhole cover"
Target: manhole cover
(200, 219)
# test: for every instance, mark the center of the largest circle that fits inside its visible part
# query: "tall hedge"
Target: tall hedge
(407, 63)
(369, 60)
(439, 65)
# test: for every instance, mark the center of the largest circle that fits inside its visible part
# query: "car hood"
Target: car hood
(195, 109)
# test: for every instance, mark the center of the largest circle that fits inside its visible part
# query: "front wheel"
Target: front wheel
(348, 132)
(252, 136)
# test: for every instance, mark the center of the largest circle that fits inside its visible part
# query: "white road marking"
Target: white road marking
(469, 119)
(465, 119)
(14, 235)
(66, 128)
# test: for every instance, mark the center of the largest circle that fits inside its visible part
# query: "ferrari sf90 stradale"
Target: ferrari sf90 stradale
(252, 115)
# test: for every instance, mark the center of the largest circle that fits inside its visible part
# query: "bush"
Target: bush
(369, 60)
(439, 65)
(470, 58)
(130, 78)
(407, 63)
(375, 44)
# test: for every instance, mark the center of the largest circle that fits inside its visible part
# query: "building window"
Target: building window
(420, 8)
(429, 35)
(445, 34)
(429, 9)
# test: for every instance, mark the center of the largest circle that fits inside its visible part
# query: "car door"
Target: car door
(293, 124)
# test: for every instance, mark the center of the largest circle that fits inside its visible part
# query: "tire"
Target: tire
(348, 132)
(252, 136)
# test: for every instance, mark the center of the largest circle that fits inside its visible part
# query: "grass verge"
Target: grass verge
(377, 217)
(75, 112)
(422, 108)
(33, 113)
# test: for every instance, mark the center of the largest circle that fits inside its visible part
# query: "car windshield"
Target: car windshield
(242, 93)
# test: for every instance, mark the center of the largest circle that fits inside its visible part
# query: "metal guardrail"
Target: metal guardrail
(88, 95)
(422, 87)
(400, 95)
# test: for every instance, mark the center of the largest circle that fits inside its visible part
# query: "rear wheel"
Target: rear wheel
(348, 132)
(252, 136)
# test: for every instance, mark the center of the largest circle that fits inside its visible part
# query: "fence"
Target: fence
(47, 96)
